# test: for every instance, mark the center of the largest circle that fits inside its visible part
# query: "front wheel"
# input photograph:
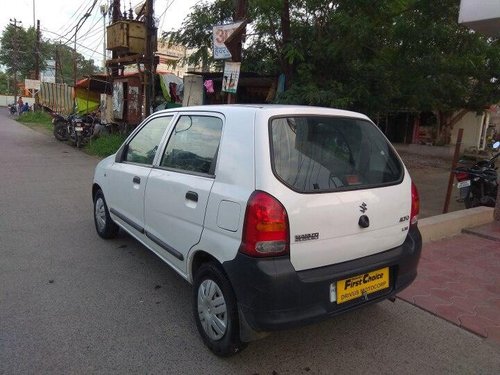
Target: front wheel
(215, 311)
(104, 225)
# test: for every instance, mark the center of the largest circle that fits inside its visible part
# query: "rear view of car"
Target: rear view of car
(278, 215)
(332, 225)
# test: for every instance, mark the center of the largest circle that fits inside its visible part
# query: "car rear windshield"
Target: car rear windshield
(313, 154)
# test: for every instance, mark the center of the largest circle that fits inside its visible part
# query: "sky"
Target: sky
(59, 17)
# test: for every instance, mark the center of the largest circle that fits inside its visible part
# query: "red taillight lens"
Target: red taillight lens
(265, 231)
(461, 176)
(415, 204)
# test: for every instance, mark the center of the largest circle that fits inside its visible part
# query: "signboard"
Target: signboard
(220, 34)
(32, 84)
(231, 76)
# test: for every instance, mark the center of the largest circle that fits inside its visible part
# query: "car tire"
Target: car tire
(215, 311)
(104, 225)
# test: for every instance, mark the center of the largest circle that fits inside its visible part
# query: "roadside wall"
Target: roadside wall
(9, 99)
(472, 125)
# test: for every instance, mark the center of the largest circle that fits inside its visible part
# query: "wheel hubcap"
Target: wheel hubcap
(100, 214)
(212, 309)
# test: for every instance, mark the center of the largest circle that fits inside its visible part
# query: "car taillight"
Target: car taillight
(461, 176)
(265, 230)
(415, 204)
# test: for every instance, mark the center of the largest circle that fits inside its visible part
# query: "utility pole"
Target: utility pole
(34, 13)
(37, 59)
(58, 66)
(37, 50)
(149, 56)
(84, 17)
(240, 14)
(15, 64)
(234, 42)
(116, 15)
(104, 11)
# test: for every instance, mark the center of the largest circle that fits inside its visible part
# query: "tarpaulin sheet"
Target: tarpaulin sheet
(87, 101)
(57, 96)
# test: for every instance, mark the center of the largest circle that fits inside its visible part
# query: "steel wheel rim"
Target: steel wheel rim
(100, 214)
(212, 309)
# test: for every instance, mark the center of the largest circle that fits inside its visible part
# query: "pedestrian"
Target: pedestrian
(25, 108)
(19, 104)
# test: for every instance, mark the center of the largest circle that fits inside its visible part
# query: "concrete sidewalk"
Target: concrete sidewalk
(459, 280)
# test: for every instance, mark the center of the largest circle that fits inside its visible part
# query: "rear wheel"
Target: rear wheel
(61, 131)
(472, 200)
(104, 225)
(215, 311)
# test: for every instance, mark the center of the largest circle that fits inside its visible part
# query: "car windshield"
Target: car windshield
(319, 154)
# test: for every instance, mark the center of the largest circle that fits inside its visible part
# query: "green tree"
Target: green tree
(407, 55)
(16, 54)
(196, 30)
(4, 83)
(442, 66)
(64, 57)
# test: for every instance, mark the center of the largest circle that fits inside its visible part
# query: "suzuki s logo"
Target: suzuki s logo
(363, 208)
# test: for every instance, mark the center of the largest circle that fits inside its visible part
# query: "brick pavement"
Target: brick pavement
(459, 280)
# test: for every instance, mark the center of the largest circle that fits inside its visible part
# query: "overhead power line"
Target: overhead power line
(78, 44)
(66, 27)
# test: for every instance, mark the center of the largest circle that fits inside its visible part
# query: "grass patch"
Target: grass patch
(37, 117)
(105, 145)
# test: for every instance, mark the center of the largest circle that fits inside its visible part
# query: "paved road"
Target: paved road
(73, 303)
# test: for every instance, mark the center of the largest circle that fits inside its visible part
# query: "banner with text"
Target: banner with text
(220, 34)
(231, 76)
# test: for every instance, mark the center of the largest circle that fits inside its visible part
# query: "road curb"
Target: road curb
(446, 225)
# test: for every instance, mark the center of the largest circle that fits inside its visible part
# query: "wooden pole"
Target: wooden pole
(240, 14)
(453, 166)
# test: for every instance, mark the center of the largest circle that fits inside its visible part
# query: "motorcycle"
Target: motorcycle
(478, 184)
(12, 109)
(60, 123)
(80, 130)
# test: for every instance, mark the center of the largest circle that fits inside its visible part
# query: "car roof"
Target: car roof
(268, 110)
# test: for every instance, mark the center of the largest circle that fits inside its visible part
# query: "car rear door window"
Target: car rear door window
(142, 148)
(193, 145)
(317, 154)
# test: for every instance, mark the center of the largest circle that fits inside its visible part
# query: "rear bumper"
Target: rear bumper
(272, 295)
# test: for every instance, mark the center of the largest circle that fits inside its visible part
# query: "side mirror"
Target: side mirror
(496, 145)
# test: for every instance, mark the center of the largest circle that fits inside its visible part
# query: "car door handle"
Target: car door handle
(136, 180)
(192, 196)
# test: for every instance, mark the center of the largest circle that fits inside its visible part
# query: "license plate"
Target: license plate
(463, 184)
(78, 128)
(361, 285)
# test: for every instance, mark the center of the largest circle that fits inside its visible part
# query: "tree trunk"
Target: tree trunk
(287, 38)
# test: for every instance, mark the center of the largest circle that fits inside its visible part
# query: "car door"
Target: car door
(179, 186)
(127, 178)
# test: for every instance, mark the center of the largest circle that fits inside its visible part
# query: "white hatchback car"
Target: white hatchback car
(279, 215)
